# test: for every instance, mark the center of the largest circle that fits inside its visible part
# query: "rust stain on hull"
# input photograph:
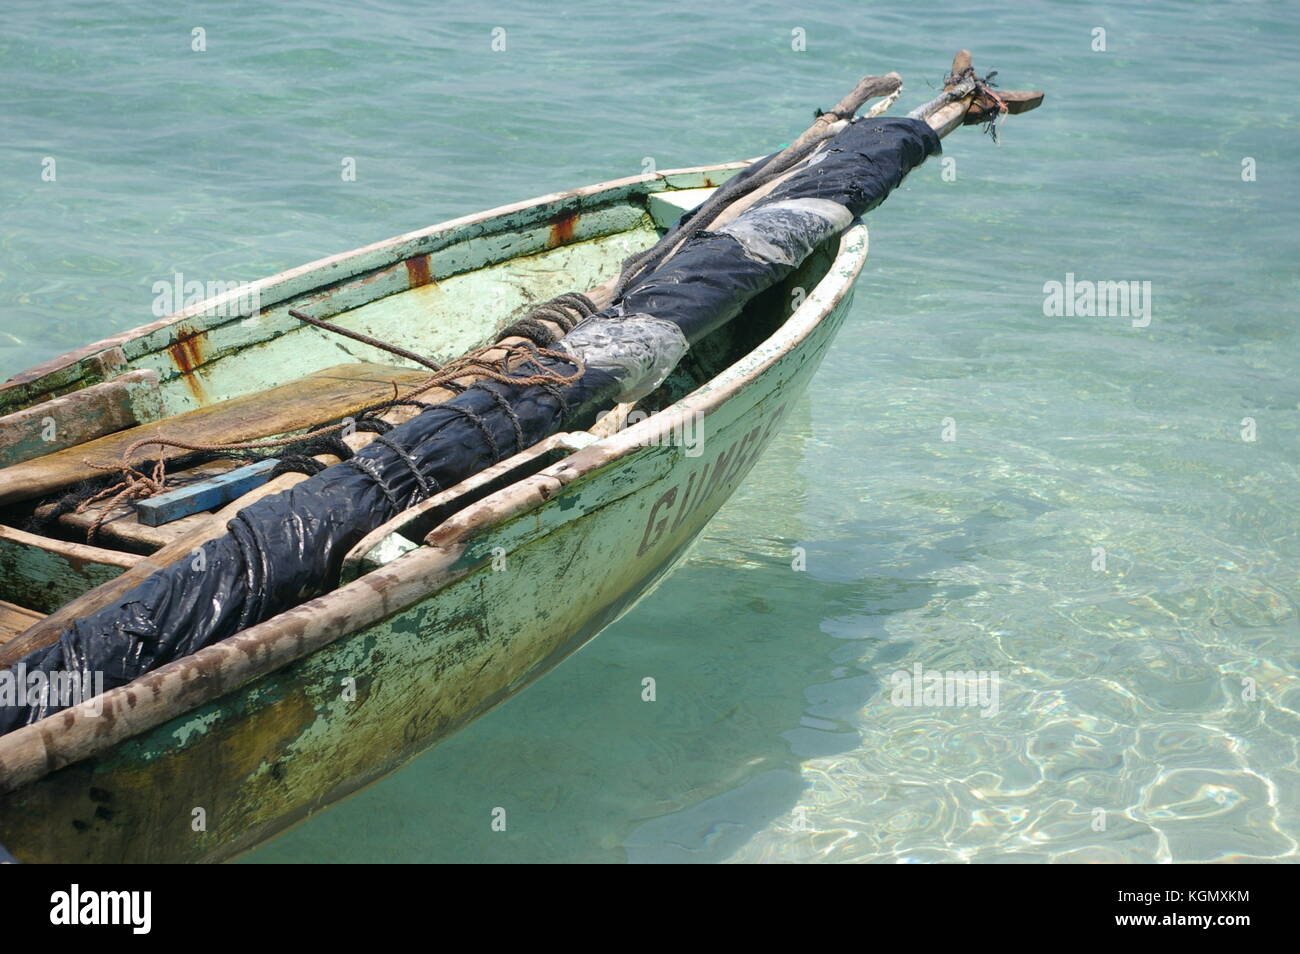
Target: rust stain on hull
(563, 228)
(187, 354)
(417, 271)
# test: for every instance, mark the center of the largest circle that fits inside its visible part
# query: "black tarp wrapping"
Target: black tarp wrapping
(287, 548)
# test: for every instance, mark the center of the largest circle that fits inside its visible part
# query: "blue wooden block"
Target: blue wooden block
(204, 494)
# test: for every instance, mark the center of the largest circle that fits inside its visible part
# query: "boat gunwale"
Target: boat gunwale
(45, 370)
(72, 735)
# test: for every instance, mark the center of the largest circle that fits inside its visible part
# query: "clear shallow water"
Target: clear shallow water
(775, 735)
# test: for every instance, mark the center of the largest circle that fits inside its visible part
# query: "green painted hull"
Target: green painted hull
(212, 755)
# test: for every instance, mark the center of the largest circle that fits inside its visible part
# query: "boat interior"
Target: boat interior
(213, 377)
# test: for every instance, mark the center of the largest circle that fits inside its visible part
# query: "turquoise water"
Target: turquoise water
(1124, 729)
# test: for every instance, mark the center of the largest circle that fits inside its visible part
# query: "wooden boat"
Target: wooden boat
(441, 617)
(452, 605)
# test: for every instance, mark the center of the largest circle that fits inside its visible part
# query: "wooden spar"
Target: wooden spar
(869, 87)
(949, 108)
(721, 209)
(91, 412)
(964, 101)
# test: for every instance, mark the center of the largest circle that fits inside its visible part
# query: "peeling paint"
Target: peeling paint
(194, 727)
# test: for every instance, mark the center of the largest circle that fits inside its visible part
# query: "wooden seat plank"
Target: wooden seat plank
(332, 393)
(14, 619)
(80, 416)
(121, 528)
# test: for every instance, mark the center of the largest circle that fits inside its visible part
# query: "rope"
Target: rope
(297, 464)
(504, 406)
(483, 429)
(428, 486)
(533, 330)
(984, 92)
(136, 484)
(558, 310)
(371, 470)
(983, 99)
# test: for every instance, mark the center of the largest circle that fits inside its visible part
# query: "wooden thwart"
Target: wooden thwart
(117, 523)
(83, 415)
(122, 529)
(14, 619)
(45, 574)
(334, 392)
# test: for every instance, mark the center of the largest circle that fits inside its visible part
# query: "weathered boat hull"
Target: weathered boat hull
(217, 752)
